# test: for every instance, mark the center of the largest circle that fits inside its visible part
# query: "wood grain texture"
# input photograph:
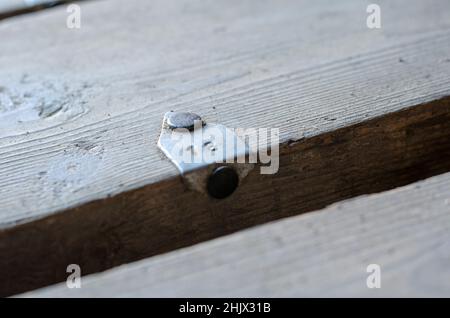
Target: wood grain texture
(373, 156)
(101, 91)
(81, 112)
(406, 231)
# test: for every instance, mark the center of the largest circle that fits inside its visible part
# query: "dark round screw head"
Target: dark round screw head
(222, 182)
(182, 120)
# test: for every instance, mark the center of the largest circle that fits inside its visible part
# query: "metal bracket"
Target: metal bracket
(210, 157)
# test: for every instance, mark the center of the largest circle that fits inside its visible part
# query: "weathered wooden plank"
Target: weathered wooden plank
(82, 118)
(115, 110)
(405, 231)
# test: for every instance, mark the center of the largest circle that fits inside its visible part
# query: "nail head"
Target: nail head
(182, 120)
(222, 182)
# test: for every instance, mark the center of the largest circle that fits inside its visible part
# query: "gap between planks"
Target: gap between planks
(406, 232)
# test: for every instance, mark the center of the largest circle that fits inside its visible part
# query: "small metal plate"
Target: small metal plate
(197, 151)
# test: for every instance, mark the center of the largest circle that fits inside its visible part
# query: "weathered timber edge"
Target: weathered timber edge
(373, 156)
(405, 231)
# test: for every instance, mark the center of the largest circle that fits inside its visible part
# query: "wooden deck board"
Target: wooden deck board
(115, 84)
(405, 231)
(84, 108)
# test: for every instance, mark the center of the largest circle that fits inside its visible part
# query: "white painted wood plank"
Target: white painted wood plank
(81, 109)
(405, 231)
